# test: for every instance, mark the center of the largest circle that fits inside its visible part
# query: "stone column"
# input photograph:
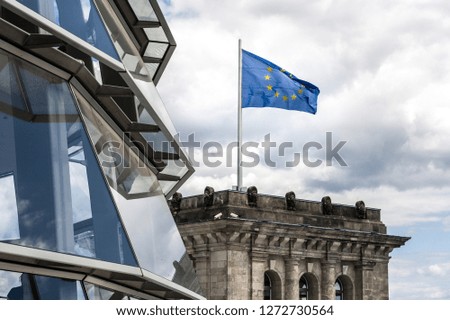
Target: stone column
(292, 279)
(328, 280)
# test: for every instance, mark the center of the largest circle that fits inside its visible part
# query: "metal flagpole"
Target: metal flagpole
(239, 127)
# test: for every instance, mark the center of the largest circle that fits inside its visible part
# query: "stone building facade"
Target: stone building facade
(253, 246)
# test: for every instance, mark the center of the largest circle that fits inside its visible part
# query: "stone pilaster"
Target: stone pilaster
(328, 280)
(259, 263)
(365, 280)
(202, 269)
(292, 279)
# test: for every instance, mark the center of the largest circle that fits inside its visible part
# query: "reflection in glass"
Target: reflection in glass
(25, 286)
(152, 68)
(143, 10)
(156, 140)
(303, 288)
(156, 50)
(166, 186)
(155, 237)
(9, 88)
(50, 288)
(95, 292)
(175, 168)
(153, 232)
(156, 34)
(9, 227)
(79, 17)
(58, 197)
(339, 289)
(125, 171)
(15, 286)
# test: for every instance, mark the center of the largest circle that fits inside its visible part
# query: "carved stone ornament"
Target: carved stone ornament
(290, 200)
(208, 197)
(327, 206)
(252, 196)
(361, 212)
(175, 202)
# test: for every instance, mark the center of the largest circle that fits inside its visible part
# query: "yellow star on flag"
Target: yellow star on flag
(300, 91)
(269, 69)
(267, 77)
(269, 87)
(294, 97)
(285, 98)
(276, 94)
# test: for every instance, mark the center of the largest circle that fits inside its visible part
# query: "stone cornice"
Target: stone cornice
(287, 239)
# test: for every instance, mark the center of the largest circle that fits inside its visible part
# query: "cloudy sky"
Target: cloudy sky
(383, 68)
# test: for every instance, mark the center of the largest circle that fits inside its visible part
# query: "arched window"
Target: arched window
(304, 289)
(339, 288)
(344, 288)
(272, 286)
(267, 287)
(308, 286)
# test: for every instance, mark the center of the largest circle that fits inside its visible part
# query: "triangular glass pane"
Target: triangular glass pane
(58, 199)
(126, 172)
(9, 88)
(80, 17)
(36, 83)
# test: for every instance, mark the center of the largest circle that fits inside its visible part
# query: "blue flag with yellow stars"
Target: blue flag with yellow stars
(264, 84)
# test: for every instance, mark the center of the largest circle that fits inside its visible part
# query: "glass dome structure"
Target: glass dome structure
(89, 155)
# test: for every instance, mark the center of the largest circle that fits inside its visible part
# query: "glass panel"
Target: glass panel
(175, 168)
(57, 197)
(15, 286)
(9, 227)
(166, 186)
(143, 10)
(95, 292)
(58, 289)
(158, 141)
(152, 68)
(156, 50)
(124, 170)
(36, 83)
(144, 116)
(9, 87)
(303, 289)
(156, 34)
(339, 290)
(79, 17)
(155, 238)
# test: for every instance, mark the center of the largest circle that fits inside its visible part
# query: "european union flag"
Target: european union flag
(264, 84)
